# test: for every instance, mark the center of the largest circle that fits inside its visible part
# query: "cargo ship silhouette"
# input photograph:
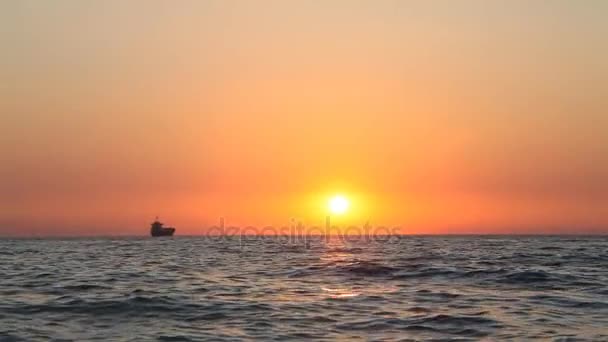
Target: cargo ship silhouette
(157, 229)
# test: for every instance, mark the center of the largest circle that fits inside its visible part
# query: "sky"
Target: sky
(436, 117)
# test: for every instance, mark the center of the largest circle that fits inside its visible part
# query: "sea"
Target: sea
(389, 288)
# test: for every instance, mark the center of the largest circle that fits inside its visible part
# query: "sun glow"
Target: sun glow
(338, 204)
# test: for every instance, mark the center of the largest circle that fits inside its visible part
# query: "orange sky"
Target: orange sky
(434, 116)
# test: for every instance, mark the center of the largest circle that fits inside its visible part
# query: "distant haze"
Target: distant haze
(435, 116)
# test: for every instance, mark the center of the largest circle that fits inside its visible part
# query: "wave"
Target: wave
(462, 325)
(352, 250)
(567, 302)
(178, 338)
(530, 277)
(368, 268)
(103, 307)
(85, 287)
(484, 273)
(458, 320)
(427, 273)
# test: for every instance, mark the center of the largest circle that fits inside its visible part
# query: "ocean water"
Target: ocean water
(398, 288)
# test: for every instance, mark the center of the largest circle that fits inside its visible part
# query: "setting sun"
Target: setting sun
(338, 204)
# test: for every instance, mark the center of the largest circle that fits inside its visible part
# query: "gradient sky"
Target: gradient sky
(435, 116)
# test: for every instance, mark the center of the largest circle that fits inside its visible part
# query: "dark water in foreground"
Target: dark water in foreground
(409, 288)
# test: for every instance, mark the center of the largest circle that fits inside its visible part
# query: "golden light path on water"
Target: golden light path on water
(337, 253)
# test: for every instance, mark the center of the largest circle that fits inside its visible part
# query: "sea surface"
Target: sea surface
(392, 288)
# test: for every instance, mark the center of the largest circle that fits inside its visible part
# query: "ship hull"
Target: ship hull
(162, 232)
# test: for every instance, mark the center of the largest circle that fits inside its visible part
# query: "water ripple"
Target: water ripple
(408, 288)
